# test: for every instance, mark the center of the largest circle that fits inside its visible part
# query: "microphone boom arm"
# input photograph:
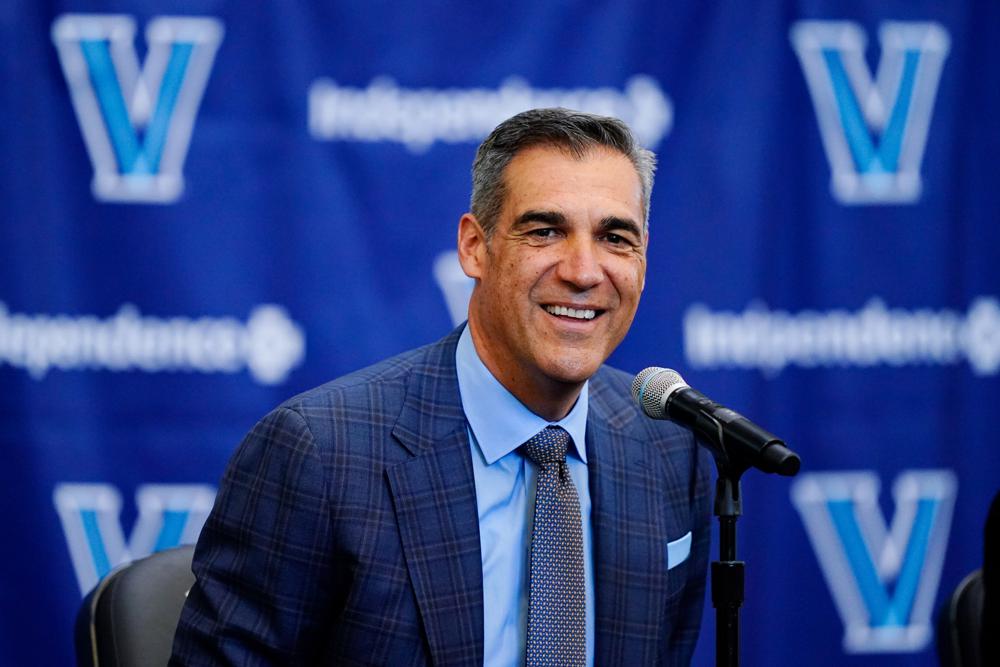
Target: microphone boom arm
(742, 448)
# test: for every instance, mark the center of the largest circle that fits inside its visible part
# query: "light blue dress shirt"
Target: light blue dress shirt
(505, 496)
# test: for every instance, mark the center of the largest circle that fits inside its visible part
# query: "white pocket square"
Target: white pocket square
(678, 551)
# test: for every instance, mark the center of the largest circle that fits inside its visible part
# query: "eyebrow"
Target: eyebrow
(613, 223)
(553, 218)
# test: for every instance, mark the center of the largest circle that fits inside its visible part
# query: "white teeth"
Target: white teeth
(572, 312)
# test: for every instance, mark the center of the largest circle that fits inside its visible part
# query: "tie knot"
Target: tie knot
(547, 446)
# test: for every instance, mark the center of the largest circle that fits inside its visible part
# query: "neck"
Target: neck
(549, 399)
(547, 404)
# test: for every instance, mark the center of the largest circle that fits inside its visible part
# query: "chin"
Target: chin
(573, 371)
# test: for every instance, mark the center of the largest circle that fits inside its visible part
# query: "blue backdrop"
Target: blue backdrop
(210, 206)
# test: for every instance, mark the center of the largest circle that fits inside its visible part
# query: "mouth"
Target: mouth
(578, 314)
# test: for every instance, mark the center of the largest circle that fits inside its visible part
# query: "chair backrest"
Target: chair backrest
(130, 618)
(960, 624)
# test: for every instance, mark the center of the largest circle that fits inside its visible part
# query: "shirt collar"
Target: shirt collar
(500, 422)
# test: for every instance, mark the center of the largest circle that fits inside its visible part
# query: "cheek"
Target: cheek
(526, 272)
(629, 281)
(642, 276)
(639, 276)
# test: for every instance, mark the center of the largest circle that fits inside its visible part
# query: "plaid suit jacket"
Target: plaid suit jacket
(345, 530)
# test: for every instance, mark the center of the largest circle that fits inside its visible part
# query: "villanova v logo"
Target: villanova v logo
(136, 124)
(168, 515)
(874, 131)
(883, 579)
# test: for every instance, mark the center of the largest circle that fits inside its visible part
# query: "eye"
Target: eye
(619, 240)
(543, 232)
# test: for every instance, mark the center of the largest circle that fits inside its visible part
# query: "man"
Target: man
(491, 498)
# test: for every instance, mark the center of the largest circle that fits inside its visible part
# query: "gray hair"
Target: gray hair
(574, 131)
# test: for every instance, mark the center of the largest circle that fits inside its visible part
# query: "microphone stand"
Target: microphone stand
(727, 572)
(747, 446)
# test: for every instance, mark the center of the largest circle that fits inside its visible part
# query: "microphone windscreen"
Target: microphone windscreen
(652, 385)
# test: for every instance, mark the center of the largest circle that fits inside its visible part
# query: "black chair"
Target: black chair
(130, 618)
(960, 624)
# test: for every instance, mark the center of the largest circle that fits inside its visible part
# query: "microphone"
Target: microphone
(663, 394)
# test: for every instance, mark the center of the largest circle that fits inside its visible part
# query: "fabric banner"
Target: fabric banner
(210, 207)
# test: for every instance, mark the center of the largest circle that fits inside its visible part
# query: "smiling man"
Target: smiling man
(558, 271)
(494, 498)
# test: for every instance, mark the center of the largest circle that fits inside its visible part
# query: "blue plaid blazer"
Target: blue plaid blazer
(346, 532)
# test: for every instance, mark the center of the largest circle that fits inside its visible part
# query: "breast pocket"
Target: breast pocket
(678, 550)
(677, 554)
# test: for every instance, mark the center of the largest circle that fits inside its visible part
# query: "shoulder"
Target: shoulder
(356, 413)
(611, 397)
(383, 384)
(679, 457)
(337, 439)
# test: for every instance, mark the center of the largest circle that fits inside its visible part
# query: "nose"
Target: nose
(580, 265)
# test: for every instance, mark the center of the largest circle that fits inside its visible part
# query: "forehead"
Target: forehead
(550, 176)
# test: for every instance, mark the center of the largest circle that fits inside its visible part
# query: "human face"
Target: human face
(570, 236)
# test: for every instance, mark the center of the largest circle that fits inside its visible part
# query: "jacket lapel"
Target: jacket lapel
(435, 501)
(629, 535)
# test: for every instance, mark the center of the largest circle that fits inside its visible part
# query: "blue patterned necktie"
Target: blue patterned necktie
(556, 603)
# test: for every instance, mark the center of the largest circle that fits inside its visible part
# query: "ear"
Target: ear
(471, 246)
